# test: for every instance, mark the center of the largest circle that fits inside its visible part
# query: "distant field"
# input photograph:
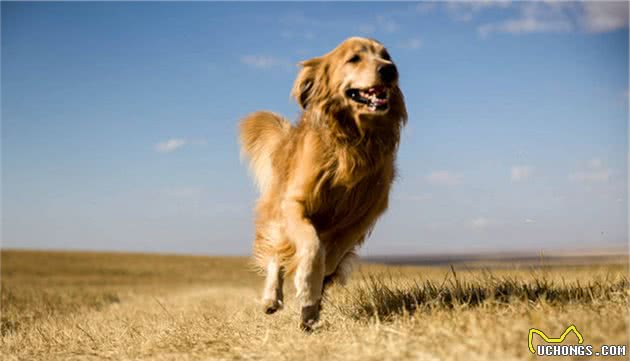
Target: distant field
(107, 306)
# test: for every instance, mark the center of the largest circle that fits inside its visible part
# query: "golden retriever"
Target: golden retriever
(326, 180)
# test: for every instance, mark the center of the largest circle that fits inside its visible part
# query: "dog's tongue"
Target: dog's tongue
(378, 101)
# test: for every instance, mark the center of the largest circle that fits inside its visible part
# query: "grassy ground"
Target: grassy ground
(93, 306)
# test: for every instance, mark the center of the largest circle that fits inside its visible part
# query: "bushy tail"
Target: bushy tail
(260, 135)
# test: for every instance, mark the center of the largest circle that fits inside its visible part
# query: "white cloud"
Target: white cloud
(465, 11)
(525, 25)
(605, 16)
(521, 172)
(443, 178)
(170, 145)
(535, 17)
(481, 223)
(411, 44)
(173, 144)
(560, 16)
(262, 61)
(595, 172)
(529, 220)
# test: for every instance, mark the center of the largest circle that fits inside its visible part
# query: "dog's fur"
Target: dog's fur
(325, 181)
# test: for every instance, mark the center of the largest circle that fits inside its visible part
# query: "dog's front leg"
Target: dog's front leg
(310, 256)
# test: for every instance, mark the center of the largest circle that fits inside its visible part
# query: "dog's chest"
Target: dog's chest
(343, 206)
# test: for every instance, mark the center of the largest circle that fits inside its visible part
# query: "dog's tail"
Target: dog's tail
(260, 134)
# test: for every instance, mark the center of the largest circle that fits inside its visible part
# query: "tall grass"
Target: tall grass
(383, 296)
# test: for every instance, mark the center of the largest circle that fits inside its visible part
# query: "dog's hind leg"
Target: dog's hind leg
(272, 300)
(343, 270)
(267, 260)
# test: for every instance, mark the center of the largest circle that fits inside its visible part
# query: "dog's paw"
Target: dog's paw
(310, 316)
(270, 306)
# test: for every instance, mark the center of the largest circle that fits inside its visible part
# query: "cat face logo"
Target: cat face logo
(569, 329)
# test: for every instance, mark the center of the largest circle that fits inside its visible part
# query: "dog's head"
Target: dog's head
(358, 78)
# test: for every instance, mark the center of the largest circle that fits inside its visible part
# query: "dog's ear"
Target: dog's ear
(305, 86)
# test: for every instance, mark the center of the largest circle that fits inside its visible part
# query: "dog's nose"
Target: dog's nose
(388, 72)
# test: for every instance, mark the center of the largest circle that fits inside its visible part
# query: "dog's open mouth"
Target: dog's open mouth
(376, 98)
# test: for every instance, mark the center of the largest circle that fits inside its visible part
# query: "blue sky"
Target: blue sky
(119, 121)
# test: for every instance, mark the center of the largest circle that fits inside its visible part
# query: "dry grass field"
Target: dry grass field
(107, 306)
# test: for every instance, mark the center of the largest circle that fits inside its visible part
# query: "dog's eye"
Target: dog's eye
(354, 59)
(385, 55)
